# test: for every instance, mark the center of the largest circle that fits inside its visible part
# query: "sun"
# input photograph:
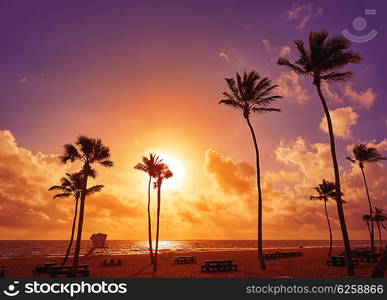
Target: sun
(178, 170)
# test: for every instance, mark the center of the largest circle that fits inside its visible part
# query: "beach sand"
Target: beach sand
(310, 265)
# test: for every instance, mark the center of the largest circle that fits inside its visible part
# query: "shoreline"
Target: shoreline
(310, 265)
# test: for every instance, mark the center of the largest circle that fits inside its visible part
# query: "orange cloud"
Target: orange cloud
(343, 119)
(225, 210)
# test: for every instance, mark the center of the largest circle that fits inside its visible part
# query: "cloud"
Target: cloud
(27, 208)
(303, 14)
(224, 56)
(313, 161)
(346, 94)
(267, 44)
(232, 177)
(343, 120)
(276, 51)
(225, 209)
(233, 57)
(285, 50)
(290, 86)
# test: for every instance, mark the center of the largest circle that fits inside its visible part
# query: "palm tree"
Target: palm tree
(88, 151)
(379, 218)
(326, 190)
(251, 94)
(149, 166)
(367, 218)
(363, 154)
(322, 61)
(71, 186)
(162, 172)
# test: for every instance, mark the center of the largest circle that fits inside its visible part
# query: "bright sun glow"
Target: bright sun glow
(177, 168)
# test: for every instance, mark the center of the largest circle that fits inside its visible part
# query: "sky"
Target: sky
(147, 77)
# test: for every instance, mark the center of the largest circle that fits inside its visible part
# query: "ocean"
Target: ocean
(12, 249)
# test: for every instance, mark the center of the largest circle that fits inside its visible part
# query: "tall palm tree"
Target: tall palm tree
(149, 166)
(88, 151)
(363, 154)
(367, 218)
(326, 190)
(71, 186)
(321, 61)
(162, 172)
(252, 94)
(379, 218)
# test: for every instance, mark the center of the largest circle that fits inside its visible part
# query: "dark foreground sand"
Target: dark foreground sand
(312, 264)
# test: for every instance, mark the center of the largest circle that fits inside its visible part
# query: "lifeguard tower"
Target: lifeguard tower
(99, 243)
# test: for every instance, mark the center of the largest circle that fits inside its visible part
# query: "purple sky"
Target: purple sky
(63, 63)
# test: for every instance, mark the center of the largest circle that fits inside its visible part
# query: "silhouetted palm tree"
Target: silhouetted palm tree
(326, 190)
(252, 94)
(71, 186)
(367, 218)
(322, 61)
(162, 172)
(88, 151)
(363, 154)
(149, 166)
(379, 218)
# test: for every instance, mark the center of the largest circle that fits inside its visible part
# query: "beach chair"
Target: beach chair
(99, 243)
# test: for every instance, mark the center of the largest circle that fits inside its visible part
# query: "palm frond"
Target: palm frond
(63, 195)
(262, 110)
(94, 189)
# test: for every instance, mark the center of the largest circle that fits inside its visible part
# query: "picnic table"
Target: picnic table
(185, 260)
(112, 262)
(2, 272)
(339, 261)
(370, 257)
(219, 266)
(276, 255)
(45, 267)
(83, 270)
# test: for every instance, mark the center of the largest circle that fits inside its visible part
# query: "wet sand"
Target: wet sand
(310, 265)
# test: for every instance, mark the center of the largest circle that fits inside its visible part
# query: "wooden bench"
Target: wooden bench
(45, 268)
(212, 266)
(339, 261)
(185, 260)
(370, 257)
(82, 270)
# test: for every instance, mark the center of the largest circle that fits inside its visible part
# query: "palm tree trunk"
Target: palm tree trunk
(381, 266)
(372, 232)
(380, 237)
(72, 233)
(369, 229)
(329, 227)
(80, 222)
(260, 250)
(149, 222)
(157, 225)
(340, 211)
